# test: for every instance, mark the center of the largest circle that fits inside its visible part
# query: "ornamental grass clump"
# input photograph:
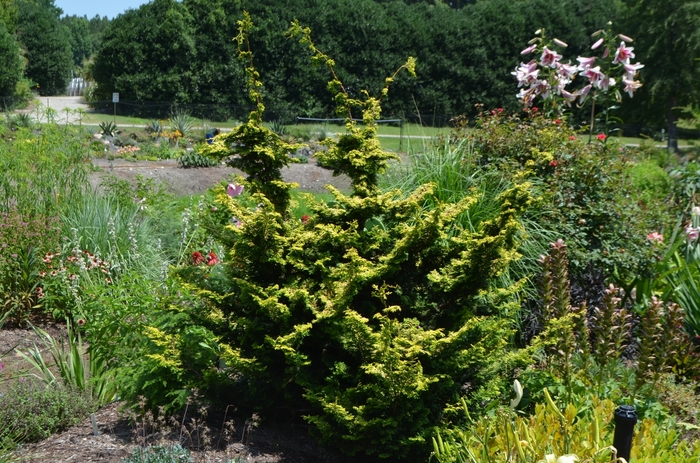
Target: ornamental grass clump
(371, 317)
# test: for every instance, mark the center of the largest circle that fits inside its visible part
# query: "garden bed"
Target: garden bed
(184, 182)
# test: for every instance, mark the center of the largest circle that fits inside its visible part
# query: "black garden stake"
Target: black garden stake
(625, 419)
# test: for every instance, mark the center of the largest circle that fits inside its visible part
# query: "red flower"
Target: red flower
(212, 259)
(535, 109)
(557, 121)
(553, 163)
(572, 138)
(305, 219)
(601, 137)
(500, 110)
(197, 258)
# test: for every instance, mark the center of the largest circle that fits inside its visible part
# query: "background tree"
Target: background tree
(8, 15)
(47, 45)
(465, 55)
(97, 26)
(11, 69)
(80, 40)
(667, 41)
(147, 54)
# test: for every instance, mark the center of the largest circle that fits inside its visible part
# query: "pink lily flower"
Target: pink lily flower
(623, 54)
(583, 93)
(594, 75)
(234, 189)
(605, 83)
(526, 74)
(527, 95)
(585, 62)
(630, 85)
(568, 97)
(567, 70)
(543, 89)
(550, 58)
(631, 69)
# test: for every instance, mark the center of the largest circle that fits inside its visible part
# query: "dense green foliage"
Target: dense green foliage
(373, 312)
(11, 71)
(80, 40)
(464, 55)
(146, 55)
(668, 42)
(47, 45)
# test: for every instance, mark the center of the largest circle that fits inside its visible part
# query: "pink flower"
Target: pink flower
(583, 93)
(630, 86)
(601, 137)
(543, 88)
(691, 234)
(623, 54)
(526, 74)
(553, 163)
(585, 62)
(594, 75)
(606, 82)
(572, 138)
(212, 259)
(631, 70)
(560, 43)
(81, 321)
(550, 58)
(567, 70)
(655, 237)
(568, 96)
(234, 189)
(597, 44)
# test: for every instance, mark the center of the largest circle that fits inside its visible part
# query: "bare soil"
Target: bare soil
(182, 182)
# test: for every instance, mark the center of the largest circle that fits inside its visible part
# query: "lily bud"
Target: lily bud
(624, 38)
(535, 40)
(598, 43)
(560, 43)
(538, 31)
(529, 49)
(597, 33)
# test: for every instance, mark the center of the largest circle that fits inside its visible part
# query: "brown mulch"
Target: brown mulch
(117, 439)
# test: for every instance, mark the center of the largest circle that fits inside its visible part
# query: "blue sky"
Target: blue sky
(95, 7)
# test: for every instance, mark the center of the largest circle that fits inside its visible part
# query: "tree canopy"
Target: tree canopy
(11, 70)
(667, 41)
(47, 45)
(182, 52)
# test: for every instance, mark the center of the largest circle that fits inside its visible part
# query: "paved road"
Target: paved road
(62, 109)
